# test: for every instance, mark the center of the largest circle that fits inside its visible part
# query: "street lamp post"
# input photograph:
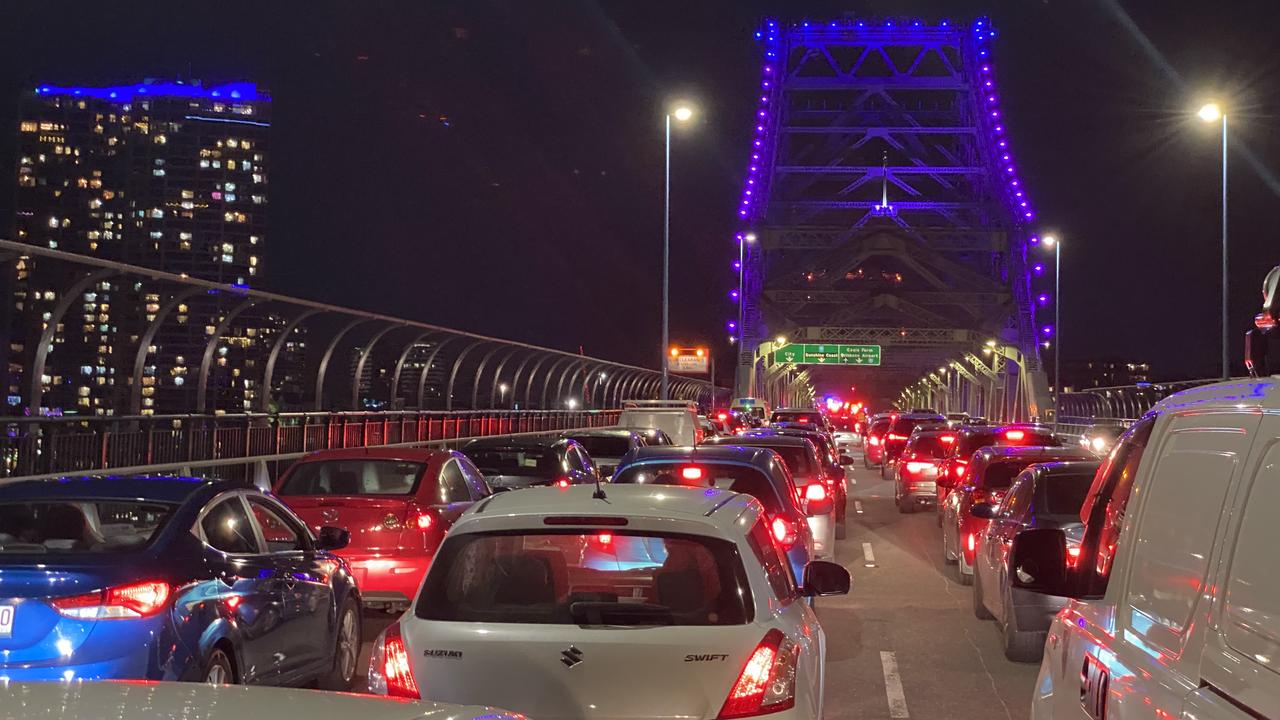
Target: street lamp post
(1212, 112)
(1053, 242)
(682, 113)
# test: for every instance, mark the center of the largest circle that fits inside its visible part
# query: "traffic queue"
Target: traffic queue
(554, 562)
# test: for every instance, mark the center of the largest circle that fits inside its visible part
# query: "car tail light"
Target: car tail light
(784, 532)
(915, 467)
(873, 441)
(421, 519)
(722, 416)
(893, 436)
(1073, 555)
(135, 600)
(946, 439)
(691, 473)
(390, 672)
(959, 467)
(815, 492)
(971, 542)
(563, 483)
(804, 419)
(767, 683)
(1015, 435)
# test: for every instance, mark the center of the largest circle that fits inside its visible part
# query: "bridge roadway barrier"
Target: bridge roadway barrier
(241, 446)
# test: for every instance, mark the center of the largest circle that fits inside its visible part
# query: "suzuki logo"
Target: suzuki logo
(571, 657)
(329, 514)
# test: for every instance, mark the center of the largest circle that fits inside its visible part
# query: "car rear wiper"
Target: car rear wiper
(24, 548)
(616, 613)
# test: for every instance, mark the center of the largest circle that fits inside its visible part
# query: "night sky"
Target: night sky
(497, 166)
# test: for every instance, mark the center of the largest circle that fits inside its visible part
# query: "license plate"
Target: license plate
(6, 620)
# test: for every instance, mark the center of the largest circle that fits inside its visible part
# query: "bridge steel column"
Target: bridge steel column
(364, 356)
(533, 374)
(206, 364)
(426, 368)
(484, 361)
(497, 375)
(144, 345)
(453, 374)
(401, 360)
(323, 368)
(36, 394)
(268, 372)
(551, 370)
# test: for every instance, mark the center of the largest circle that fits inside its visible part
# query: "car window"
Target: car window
(776, 569)
(597, 577)
(452, 486)
(1063, 495)
(605, 447)
(1016, 503)
(353, 477)
(227, 527)
(1103, 509)
(475, 481)
(280, 534)
(56, 527)
(1171, 551)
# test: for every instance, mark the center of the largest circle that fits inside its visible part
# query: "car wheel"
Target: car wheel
(979, 604)
(866, 461)
(218, 669)
(906, 505)
(842, 530)
(1019, 646)
(346, 650)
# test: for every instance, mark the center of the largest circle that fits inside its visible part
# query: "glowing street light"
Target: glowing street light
(1210, 112)
(571, 403)
(682, 113)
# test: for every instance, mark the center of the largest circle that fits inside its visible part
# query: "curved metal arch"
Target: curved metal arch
(484, 361)
(533, 373)
(364, 357)
(650, 386)
(497, 375)
(323, 368)
(426, 368)
(453, 374)
(77, 289)
(546, 386)
(573, 377)
(270, 370)
(616, 379)
(403, 358)
(144, 345)
(206, 363)
(633, 386)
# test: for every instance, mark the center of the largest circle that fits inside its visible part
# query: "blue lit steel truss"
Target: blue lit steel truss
(884, 194)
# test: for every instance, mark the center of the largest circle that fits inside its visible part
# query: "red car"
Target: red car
(396, 502)
(970, 440)
(990, 473)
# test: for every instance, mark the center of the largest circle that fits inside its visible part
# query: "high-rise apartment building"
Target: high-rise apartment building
(166, 175)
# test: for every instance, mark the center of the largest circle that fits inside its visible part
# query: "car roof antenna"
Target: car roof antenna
(599, 493)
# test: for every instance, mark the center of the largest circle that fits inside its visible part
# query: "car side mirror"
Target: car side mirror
(1038, 562)
(822, 578)
(985, 511)
(333, 538)
(845, 460)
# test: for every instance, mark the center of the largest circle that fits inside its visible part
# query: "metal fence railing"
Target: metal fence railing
(1119, 406)
(45, 446)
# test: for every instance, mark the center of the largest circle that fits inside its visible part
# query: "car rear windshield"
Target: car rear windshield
(536, 461)
(929, 446)
(809, 418)
(586, 578)
(611, 447)
(797, 459)
(1064, 495)
(738, 478)
(878, 427)
(353, 477)
(57, 527)
(904, 426)
(1000, 474)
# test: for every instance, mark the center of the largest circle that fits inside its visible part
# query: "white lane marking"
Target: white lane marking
(857, 506)
(893, 686)
(868, 555)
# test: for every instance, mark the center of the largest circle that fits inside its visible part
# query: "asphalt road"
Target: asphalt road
(904, 643)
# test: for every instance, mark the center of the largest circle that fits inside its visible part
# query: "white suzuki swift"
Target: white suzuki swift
(655, 602)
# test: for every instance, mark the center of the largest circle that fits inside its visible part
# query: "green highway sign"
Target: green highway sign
(827, 354)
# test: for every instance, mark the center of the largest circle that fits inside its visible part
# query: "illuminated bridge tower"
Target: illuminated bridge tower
(887, 209)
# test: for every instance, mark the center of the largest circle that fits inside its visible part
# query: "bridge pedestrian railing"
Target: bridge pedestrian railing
(1120, 406)
(51, 446)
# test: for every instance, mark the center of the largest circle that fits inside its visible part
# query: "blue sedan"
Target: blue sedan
(165, 578)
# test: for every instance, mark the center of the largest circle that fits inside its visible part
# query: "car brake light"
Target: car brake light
(767, 683)
(946, 439)
(722, 416)
(605, 538)
(815, 492)
(125, 601)
(804, 419)
(873, 440)
(784, 532)
(562, 482)
(691, 473)
(390, 672)
(421, 519)
(971, 542)
(959, 468)
(1015, 435)
(892, 436)
(1073, 556)
(916, 467)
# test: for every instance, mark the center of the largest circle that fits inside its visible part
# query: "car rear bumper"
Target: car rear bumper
(921, 491)
(388, 579)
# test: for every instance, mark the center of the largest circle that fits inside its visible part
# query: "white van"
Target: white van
(1174, 607)
(677, 418)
